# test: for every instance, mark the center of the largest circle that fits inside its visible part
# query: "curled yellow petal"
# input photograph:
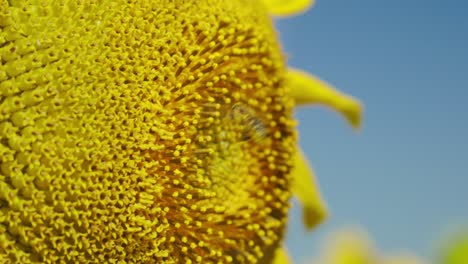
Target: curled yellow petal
(281, 256)
(287, 7)
(306, 191)
(307, 89)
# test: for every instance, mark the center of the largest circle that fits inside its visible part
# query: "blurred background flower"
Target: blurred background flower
(404, 177)
(354, 246)
(454, 249)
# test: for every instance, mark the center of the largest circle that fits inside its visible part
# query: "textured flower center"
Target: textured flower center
(230, 150)
(157, 131)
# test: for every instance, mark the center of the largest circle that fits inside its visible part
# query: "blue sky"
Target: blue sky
(404, 176)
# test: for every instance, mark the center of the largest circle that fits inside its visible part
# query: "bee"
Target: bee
(247, 123)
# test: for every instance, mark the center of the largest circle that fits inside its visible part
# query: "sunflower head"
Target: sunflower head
(142, 131)
(150, 131)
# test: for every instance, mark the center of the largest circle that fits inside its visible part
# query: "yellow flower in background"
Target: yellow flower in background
(455, 251)
(354, 246)
(150, 131)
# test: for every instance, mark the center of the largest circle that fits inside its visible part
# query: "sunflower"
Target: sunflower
(150, 131)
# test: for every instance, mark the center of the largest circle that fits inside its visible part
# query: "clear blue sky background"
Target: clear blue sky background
(404, 176)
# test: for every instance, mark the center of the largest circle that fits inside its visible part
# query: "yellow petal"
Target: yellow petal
(281, 256)
(307, 89)
(305, 188)
(287, 7)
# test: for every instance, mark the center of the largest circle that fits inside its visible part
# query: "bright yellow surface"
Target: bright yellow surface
(149, 131)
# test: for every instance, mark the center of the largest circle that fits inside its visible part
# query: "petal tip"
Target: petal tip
(314, 216)
(288, 8)
(352, 111)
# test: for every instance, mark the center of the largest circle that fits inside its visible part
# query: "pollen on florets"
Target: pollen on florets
(152, 131)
